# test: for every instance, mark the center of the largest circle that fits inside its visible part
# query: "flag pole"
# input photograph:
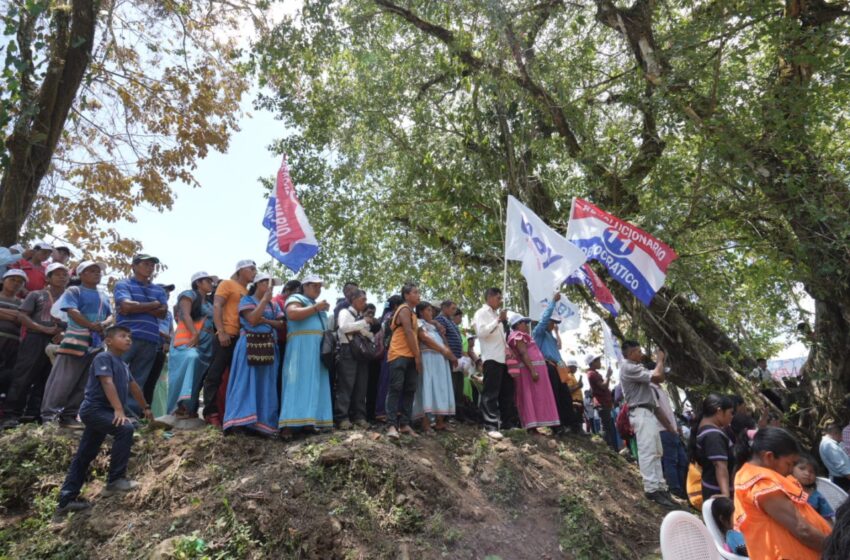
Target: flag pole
(505, 252)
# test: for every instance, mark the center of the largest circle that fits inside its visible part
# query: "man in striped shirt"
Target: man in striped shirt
(141, 304)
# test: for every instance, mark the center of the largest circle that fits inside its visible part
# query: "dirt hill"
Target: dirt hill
(348, 495)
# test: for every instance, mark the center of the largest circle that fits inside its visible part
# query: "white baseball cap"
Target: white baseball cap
(244, 263)
(591, 358)
(262, 276)
(15, 272)
(200, 275)
(519, 319)
(88, 264)
(43, 246)
(572, 363)
(17, 247)
(55, 266)
(312, 279)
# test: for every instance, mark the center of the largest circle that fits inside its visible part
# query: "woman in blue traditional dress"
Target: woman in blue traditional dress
(191, 348)
(435, 393)
(306, 392)
(252, 388)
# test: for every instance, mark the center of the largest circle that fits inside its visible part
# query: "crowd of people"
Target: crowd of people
(248, 360)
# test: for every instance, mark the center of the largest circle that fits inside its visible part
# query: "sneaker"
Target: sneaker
(120, 485)
(392, 433)
(72, 424)
(70, 507)
(660, 498)
(495, 434)
(345, 425)
(362, 424)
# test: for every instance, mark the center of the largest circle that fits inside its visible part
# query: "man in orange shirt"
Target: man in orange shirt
(226, 319)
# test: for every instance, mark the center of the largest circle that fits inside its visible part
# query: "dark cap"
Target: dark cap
(143, 257)
(167, 287)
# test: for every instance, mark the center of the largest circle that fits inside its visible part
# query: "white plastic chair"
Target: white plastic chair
(684, 537)
(832, 492)
(715, 532)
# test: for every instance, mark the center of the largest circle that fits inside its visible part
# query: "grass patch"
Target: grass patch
(580, 532)
(505, 489)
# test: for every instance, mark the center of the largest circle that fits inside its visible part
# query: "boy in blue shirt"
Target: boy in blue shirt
(806, 474)
(102, 412)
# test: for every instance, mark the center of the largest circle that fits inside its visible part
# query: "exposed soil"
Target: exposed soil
(349, 495)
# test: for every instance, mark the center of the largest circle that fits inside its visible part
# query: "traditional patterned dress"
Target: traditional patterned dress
(306, 393)
(434, 394)
(252, 390)
(186, 366)
(534, 399)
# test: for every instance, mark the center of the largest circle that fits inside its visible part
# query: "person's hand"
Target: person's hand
(535, 377)
(119, 419)
(98, 327)
(503, 315)
(453, 361)
(659, 355)
(148, 414)
(57, 338)
(267, 297)
(418, 364)
(323, 306)
(52, 330)
(224, 339)
(195, 340)
(557, 296)
(369, 320)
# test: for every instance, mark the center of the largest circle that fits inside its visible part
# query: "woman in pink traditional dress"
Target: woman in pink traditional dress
(534, 398)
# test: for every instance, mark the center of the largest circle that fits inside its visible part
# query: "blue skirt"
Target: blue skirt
(435, 393)
(251, 393)
(186, 367)
(306, 398)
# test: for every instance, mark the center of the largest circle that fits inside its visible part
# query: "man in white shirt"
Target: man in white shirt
(497, 398)
(352, 373)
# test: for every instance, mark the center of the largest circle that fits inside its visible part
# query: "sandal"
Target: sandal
(409, 431)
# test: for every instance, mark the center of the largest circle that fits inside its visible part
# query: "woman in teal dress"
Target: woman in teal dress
(251, 401)
(434, 394)
(191, 348)
(306, 392)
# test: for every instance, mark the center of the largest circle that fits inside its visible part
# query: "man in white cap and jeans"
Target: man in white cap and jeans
(32, 366)
(10, 324)
(88, 310)
(226, 319)
(602, 393)
(141, 306)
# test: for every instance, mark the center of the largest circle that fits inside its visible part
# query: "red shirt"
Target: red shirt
(36, 277)
(600, 392)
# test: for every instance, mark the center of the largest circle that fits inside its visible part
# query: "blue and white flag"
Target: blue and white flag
(547, 257)
(291, 238)
(634, 258)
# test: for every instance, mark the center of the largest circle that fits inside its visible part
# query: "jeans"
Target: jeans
(221, 358)
(352, 379)
(563, 400)
(649, 448)
(498, 403)
(156, 370)
(606, 417)
(401, 391)
(140, 359)
(29, 376)
(98, 426)
(674, 462)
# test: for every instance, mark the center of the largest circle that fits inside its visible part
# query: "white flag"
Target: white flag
(547, 257)
(565, 311)
(613, 354)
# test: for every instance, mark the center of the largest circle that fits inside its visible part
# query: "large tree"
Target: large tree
(719, 126)
(105, 104)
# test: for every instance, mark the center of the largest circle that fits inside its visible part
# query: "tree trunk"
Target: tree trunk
(37, 129)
